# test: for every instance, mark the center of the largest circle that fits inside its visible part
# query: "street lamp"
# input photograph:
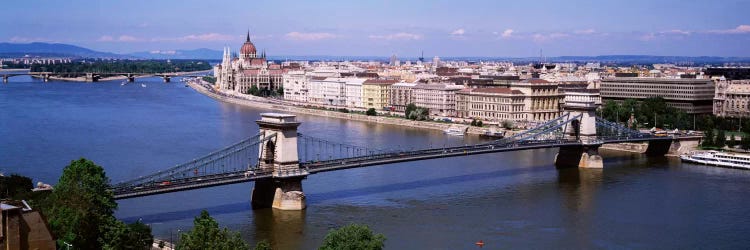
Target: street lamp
(68, 245)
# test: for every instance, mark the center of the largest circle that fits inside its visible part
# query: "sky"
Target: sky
(495, 28)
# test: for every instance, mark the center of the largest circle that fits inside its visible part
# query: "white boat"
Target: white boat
(143, 85)
(720, 159)
(455, 131)
(123, 83)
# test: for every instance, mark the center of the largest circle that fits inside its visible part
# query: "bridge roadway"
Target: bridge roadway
(204, 181)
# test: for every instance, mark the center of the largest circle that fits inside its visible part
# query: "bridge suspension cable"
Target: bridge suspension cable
(313, 149)
(236, 158)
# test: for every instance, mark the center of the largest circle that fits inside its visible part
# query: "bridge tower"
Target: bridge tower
(581, 102)
(278, 155)
(5, 78)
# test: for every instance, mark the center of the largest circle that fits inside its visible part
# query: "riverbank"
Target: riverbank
(265, 103)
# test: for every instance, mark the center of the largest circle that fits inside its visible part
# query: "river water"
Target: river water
(507, 200)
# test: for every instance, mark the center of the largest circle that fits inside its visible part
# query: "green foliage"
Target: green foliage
(132, 236)
(473, 122)
(721, 139)
(708, 138)
(353, 236)
(645, 112)
(207, 235)
(745, 142)
(280, 91)
(15, 186)
(123, 66)
(409, 108)
(371, 112)
(477, 123)
(343, 110)
(480, 123)
(732, 141)
(253, 91)
(508, 124)
(209, 79)
(263, 245)
(82, 205)
(416, 113)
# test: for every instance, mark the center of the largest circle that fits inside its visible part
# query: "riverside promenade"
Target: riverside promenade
(265, 103)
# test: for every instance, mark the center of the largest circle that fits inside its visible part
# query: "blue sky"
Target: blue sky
(381, 28)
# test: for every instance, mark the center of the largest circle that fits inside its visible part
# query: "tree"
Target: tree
(732, 141)
(207, 235)
(263, 245)
(82, 205)
(280, 91)
(15, 186)
(745, 142)
(253, 90)
(708, 138)
(479, 123)
(371, 112)
(131, 236)
(353, 236)
(409, 108)
(508, 124)
(473, 122)
(721, 139)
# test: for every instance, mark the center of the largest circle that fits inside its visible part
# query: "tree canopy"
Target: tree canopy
(82, 205)
(123, 66)
(207, 235)
(353, 236)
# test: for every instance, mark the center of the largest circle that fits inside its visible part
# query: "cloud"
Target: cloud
(458, 32)
(398, 36)
(675, 32)
(126, 38)
(300, 36)
(122, 38)
(507, 33)
(207, 37)
(742, 29)
(163, 52)
(543, 38)
(585, 32)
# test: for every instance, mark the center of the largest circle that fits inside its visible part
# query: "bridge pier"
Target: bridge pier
(166, 79)
(581, 156)
(5, 79)
(131, 78)
(658, 147)
(279, 156)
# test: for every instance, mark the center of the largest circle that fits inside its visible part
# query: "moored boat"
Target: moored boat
(720, 159)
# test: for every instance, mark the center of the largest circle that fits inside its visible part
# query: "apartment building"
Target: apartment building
(375, 93)
(732, 98)
(491, 104)
(439, 98)
(694, 96)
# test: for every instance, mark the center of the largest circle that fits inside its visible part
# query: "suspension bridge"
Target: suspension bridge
(278, 157)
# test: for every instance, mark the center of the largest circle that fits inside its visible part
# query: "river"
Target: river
(507, 200)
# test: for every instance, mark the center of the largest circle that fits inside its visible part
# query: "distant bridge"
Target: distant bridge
(278, 158)
(95, 76)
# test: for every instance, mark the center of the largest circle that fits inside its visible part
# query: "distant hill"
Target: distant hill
(179, 54)
(51, 50)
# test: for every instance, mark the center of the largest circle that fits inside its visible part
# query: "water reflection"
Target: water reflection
(283, 229)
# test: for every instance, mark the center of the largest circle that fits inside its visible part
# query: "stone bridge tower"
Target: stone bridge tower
(582, 102)
(279, 155)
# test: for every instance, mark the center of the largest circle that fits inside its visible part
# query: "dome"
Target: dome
(248, 48)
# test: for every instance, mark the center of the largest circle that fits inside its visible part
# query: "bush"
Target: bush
(507, 124)
(371, 112)
(343, 110)
(353, 236)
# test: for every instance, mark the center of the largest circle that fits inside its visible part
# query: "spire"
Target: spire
(248, 36)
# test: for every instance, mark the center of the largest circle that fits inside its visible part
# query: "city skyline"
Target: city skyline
(440, 28)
